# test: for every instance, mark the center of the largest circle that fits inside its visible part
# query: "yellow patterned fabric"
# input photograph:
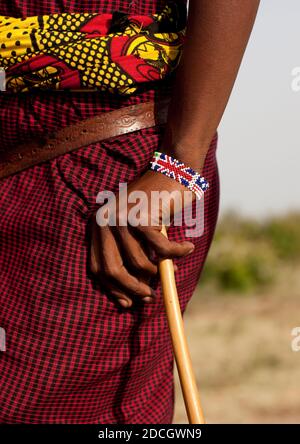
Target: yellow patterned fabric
(107, 52)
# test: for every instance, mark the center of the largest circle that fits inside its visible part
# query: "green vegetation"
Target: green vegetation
(248, 254)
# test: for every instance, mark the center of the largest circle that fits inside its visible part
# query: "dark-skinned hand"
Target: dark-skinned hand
(121, 257)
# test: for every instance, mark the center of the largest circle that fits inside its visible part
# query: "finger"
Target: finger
(114, 270)
(119, 295)
(95, 265)
(165, 248)
(122, 298)
(135, 254)
(95, 257)
(128, 283)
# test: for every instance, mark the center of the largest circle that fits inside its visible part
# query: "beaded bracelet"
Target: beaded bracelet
(173, 168)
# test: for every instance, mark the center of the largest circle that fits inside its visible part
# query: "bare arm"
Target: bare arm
(217, 35)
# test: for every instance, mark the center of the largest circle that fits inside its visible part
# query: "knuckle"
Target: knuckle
(141, 264)
(116, 294)
(94, 266)
(176, 249)
(142, 291)
(95, 270)
(163, 250)
(151, 269)
(136, 290)
(111, 272)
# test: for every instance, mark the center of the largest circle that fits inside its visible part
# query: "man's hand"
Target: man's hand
(122, 256)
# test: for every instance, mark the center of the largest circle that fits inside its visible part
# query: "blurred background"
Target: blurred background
(240, 319)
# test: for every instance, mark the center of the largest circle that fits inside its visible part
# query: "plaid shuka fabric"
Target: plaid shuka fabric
(72, 355)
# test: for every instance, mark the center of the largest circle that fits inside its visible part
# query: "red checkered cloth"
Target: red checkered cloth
(72, 355)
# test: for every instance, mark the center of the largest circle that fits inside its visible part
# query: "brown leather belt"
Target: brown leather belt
(106, 125)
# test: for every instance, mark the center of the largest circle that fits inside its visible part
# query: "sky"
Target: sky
(259, 148)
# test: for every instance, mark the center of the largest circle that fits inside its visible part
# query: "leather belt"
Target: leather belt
(110, 124)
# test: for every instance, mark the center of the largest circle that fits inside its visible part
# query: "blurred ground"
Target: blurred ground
(241, 349)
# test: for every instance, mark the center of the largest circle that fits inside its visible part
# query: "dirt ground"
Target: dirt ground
(241, 350)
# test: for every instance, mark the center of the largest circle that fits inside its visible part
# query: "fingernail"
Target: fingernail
(148, 299)
(124, 303)
(192, 248)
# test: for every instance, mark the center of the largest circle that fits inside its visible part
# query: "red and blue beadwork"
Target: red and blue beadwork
(173, 168)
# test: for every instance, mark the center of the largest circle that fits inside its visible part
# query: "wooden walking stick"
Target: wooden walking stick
(180, 346)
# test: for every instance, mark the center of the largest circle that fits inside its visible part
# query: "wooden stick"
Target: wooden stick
(180, 346)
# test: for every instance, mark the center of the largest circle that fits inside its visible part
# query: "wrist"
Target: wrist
(188, 150)
(189, 155)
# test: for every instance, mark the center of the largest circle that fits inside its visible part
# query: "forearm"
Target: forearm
(217, 35)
